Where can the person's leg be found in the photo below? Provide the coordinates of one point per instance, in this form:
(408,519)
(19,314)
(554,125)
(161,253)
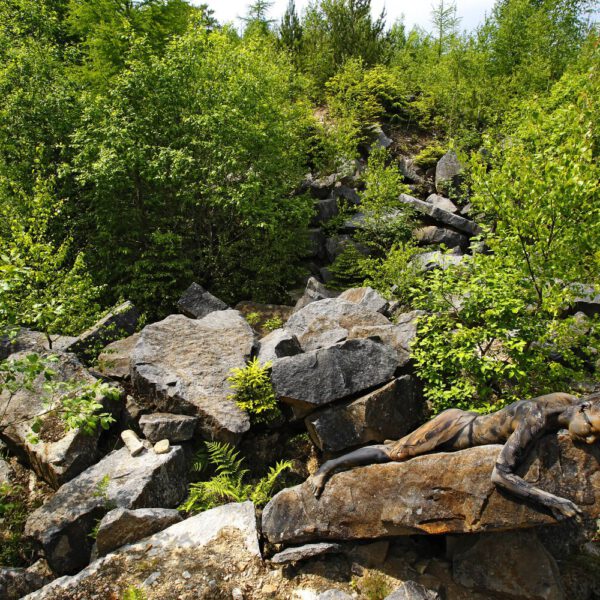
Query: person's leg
(363,456)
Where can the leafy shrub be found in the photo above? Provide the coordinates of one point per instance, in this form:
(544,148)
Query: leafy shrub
(134,593)
(394,275)
(347,269)
(429,156)
(254,391)
(253,318)
(228,484)
(484,345)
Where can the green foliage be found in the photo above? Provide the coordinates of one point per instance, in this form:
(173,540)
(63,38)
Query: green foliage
(394,275)
(347,269)
(254,391)
(387,221)
(335,31)
(77,404)
(372,586)
(15,551)
(253,318)
(484,344)
(228,484)
(429,156)
(134,593)
(273,323)
(191,193)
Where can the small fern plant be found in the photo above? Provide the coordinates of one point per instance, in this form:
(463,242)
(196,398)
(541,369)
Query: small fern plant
(134,593)
(254,391)
(229,482)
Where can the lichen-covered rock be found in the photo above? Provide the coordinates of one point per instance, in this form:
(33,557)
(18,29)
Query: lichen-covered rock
(119,323)
(367,297)
(196,302)
(123,526)
(441,216)
(327,322)
(63,525)
(277,344)
(442,202)
(513,563)
(115,360)
(427,261)
(325,210)
(181,365)
(59,454)
(438,493)
(387,413)
(172,550)
(166,426)
(314,379)
(432,235)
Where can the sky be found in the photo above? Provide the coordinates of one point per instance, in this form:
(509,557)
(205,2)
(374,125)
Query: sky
(416,12)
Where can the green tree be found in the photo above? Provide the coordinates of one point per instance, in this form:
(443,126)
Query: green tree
(256,20)
(445,23)
(290,30)
(205,192)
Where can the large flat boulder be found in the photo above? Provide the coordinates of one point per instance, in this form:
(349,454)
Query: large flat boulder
(327,322)
(63,525)
(59,454)
(314,379)
(434,494)
(217,540)
(314,291)
(278,344)
(181,365)
(448,173)
(387,413)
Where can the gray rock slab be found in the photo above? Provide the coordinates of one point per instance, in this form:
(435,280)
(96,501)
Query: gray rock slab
(314,379)
(277,344)
(411,590)
(63,524)
(432,235)
(441,493)
(123,526)
(442,202)
(327,322)
(514,564)
(448,173)
(60,454)
(314,291)
(306,552)
(165,547)
(196,302)
(441,215)
(367,297)
(316,244)
(115,360)
(389,412)
(167,426)
(181,365)
(409,170)
(119,323)
(6,473)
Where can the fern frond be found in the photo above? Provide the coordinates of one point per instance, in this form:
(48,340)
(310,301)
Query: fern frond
(226,459)
(264,488)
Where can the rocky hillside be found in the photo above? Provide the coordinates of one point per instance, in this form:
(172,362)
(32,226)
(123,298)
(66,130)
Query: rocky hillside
(102,517)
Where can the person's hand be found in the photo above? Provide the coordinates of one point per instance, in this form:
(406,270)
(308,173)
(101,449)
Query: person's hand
(564,509)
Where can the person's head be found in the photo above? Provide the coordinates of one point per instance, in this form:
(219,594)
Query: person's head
(584,420)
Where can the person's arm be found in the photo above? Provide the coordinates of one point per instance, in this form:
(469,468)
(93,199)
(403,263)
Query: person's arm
(511,456)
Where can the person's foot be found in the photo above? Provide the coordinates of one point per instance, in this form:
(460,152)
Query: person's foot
(317,483)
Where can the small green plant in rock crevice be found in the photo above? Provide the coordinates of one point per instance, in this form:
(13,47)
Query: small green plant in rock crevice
(134,593)
(273,323)
(14,551)
(254,391)
(229,482)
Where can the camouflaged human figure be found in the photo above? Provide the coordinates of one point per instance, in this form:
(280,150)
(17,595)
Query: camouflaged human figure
(517,426)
